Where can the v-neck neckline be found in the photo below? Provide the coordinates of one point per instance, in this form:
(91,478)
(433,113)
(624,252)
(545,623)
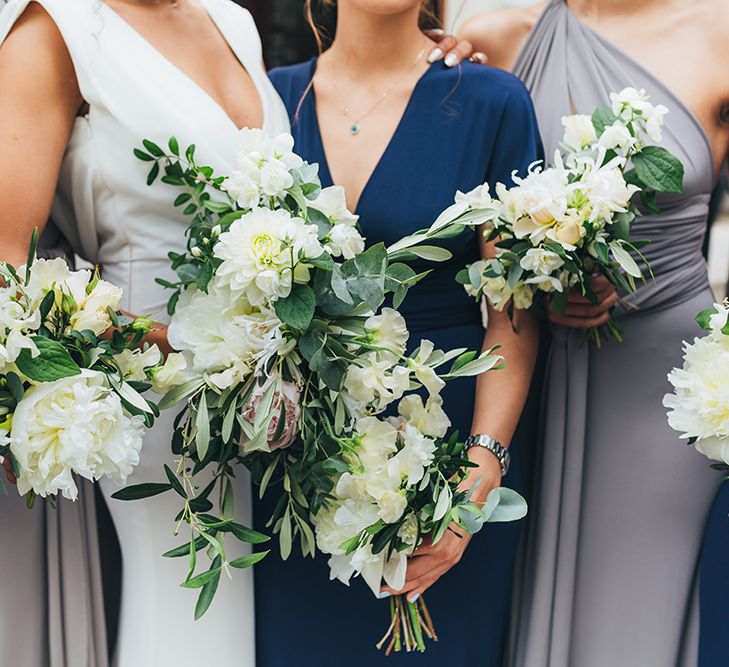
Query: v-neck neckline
(324,163)
(191,81)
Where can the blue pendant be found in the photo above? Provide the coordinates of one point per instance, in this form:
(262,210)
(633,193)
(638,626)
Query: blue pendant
(354,129)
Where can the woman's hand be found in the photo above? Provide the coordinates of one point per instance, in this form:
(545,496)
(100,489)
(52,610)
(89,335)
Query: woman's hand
(452,50)
(581,314)
(430,562)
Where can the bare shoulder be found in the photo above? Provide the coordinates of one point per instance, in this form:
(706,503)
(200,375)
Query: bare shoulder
(35,55)
(501,33)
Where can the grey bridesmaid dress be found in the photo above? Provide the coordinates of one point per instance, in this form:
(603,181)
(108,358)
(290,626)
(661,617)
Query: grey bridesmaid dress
(619,508)
(51,602)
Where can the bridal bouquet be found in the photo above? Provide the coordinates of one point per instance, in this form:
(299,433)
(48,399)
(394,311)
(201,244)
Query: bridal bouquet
(288,359)
(699,406)
(560,225)
(70,397)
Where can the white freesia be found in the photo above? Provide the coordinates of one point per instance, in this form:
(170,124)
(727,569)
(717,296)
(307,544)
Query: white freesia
(699,406)
(74,425)
(579,131)
(261,254)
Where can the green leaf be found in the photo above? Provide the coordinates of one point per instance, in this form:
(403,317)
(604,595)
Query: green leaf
(174,482)
(620,227)
(153,148)
(53,362)
(208,591)
(202,423)
(431,253)
(250,559)
(141,155)
(153,173)
(659,170)
(31,253)
(184,549)
(174,146)
(601,118)
(703,319)
(627,263)
(175,395)
(297,309)
(245,534)
(139,491)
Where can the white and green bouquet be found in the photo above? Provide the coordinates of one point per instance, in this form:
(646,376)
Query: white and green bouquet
(699,404)
(71,399)
(292,360)
(560,225)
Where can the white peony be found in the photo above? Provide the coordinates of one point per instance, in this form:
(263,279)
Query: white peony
(261,254)
(579,131)
(699,406)
(73,425)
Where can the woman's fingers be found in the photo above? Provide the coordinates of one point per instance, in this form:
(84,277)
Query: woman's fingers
(7,466)
(460,52)
(444,44)
(480,58)
(589,310)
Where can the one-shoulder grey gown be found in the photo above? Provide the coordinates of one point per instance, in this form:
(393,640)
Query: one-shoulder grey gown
(620,505)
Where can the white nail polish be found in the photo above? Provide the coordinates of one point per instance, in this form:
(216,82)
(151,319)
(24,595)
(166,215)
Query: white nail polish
(414,598)
(435,54)
(451,59)
(383,595)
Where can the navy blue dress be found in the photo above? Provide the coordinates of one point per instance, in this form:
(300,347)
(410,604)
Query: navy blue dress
(460,128)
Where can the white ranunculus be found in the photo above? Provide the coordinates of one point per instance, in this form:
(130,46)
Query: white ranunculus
(73,425)
(616,137)
(541,261)
(257,250)
(429,418)
(133,363)
(332,202)
(345,241)
(579,131)
(92,313)
(699,406)
(388,330)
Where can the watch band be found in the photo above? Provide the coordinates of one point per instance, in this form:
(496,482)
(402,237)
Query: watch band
(494,446)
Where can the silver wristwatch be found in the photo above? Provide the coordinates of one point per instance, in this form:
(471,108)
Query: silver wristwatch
(494,446)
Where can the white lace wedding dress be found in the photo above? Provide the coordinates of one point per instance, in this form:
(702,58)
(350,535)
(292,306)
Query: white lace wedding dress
(112,218)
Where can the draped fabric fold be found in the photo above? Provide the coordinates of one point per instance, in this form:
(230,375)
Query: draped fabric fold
(618,511)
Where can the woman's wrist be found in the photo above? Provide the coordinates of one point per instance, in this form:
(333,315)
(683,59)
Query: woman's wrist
(487,473)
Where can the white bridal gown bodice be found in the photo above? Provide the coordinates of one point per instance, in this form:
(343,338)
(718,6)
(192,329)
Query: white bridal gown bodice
(112,218)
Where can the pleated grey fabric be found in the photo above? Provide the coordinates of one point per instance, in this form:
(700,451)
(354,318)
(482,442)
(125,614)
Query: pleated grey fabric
(618,512)
(51,605)
(51,602)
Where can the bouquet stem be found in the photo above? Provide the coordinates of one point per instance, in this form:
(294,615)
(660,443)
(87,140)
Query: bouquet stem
(409,622)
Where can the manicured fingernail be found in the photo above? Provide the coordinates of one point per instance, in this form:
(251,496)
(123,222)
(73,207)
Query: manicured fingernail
(383,595)
(435,54)
(451,59)
(414,598)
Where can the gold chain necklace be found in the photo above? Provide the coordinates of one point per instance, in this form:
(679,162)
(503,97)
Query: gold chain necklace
(356,121)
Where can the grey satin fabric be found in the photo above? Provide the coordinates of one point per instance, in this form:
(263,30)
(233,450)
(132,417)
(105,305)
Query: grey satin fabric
(51,602)
(617,516)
